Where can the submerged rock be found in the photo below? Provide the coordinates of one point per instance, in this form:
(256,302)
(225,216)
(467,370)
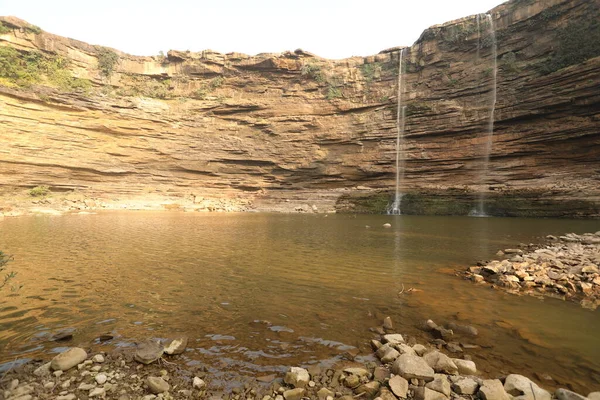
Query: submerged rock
(149,351)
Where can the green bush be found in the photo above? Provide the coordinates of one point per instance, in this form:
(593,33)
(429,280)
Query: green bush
(4,29)
(333,92)
(39,191)
(509,63)
(577,42)
(313,71)
(206,88)
(107,60)
(25,69)
(36,30)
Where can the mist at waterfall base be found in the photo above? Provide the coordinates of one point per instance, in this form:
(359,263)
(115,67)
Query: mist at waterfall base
(487,135)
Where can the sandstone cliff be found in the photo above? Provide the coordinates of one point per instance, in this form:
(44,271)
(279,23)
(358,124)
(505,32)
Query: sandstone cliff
(288,131)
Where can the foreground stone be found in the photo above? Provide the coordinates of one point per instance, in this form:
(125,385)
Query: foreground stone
(176,346)
(68,359)
(297,377)
(492,389)
(522,388)
(157,385)
(412,366)
(149,351)
(399,386)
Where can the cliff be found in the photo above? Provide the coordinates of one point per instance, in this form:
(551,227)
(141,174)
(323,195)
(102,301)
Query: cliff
(295,132)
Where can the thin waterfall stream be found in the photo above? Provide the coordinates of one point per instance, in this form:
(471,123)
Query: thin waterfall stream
(489,133)
(400,120)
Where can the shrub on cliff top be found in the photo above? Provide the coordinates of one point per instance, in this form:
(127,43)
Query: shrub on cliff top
(107,60)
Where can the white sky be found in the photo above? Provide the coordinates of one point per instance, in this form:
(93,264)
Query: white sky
(328,28)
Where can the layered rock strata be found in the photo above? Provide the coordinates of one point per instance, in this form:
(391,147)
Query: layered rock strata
(288,131)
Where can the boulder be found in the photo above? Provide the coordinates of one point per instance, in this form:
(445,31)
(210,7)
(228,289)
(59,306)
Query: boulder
(464,385)
(564,394)
(404,349)
(385,394)
(324,393)
(440,362)
(399,386)
(157,385)
(368,390)
(381,374)
(294,394)
(68,359)
(387,353)
(492,389)
(522,388)
(176,346)
(594,395)
(411,366)
(43,370)
(149,351)
(360,372)
(387,323)
(424,393)
(440,384)
(393,338)
(297,377)
(465,367)
(419,349)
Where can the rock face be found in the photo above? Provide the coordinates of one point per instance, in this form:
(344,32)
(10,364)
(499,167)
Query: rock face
(207,131)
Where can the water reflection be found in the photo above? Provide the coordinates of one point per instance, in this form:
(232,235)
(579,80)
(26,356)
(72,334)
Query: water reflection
(262,291)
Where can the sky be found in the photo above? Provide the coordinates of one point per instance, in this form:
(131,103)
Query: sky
(329,28)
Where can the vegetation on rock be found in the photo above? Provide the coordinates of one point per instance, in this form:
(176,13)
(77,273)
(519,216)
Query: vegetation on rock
(26,69)
(577,42)
(4,29)
(107,60)
(39,191)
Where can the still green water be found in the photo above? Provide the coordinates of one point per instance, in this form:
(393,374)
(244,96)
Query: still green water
(320,281)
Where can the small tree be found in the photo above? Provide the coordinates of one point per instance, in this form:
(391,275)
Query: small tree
(5,259)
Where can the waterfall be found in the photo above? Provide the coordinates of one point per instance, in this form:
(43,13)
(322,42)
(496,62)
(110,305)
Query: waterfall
(400,116)
(478,36)
(480,210)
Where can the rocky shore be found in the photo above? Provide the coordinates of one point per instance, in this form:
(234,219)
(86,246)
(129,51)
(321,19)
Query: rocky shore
(403,369)
(567,268)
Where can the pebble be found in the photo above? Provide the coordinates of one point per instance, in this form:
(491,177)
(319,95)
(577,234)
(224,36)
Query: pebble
(101,379)
(97,392)
(98,358)
(198,383)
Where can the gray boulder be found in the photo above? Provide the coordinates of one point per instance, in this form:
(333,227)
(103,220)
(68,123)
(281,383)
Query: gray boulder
(297,377)
(522,388)
(399,386)
(440,384)
(465,386)
(564,394)
(492,389)
(440,362)
(149,351)
(424,393)
(157,385)
(410,366)
(465,367)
